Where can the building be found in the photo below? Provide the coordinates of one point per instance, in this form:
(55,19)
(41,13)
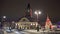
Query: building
(27,21)
(24,23)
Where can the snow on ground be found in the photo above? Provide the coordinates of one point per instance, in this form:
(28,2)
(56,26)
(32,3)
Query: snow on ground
(16,32)
(35,31)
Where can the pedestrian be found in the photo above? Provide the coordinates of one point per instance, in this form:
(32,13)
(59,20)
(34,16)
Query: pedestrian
(37,28)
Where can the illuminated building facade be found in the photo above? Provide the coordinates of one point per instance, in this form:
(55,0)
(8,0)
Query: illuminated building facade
(27,21)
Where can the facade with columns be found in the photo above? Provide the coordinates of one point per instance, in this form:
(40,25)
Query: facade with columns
(24,23)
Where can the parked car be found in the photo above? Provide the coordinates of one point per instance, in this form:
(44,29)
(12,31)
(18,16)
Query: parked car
(9,30)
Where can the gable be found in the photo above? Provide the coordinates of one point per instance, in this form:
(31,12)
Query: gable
(24,19)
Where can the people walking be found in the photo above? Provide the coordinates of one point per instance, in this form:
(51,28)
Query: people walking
(37,28)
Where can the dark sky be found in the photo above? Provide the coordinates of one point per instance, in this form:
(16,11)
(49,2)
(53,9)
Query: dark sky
(15,8)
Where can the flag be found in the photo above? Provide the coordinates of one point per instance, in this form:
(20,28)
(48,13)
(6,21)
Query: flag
(48,24)
(30,12)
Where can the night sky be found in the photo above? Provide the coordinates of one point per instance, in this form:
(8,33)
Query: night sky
(16,8)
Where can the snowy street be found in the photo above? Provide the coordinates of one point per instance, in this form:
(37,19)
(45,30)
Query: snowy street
(32,32)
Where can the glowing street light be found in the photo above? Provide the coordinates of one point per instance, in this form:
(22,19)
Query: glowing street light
(4,16)
(37,12)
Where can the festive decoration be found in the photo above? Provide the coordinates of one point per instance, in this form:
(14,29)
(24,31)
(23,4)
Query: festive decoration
(48,24)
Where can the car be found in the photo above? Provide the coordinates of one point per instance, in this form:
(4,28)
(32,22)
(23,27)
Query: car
(9,30)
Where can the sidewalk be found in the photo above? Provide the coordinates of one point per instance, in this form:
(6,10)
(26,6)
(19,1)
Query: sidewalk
(32,31)
(8,33)
(35,31)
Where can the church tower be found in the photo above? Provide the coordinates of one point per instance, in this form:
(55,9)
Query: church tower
(28,12)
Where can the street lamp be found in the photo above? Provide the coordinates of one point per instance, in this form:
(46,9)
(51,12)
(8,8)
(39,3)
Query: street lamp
(2,21)
(37,12)
(4,16)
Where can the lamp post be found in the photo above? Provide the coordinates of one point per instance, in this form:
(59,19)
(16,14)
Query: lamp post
(4,17)
(37,12)
(2,23)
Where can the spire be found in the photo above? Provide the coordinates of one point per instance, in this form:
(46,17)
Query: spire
(28,6)
(28,11)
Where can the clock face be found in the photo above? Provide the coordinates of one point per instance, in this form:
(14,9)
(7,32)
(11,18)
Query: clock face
(28,10)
